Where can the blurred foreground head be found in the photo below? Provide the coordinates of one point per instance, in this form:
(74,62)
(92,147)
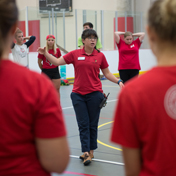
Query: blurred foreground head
(8,22)
(161,27)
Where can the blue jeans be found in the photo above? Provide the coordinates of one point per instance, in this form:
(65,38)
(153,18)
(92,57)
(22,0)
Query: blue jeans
(87,114)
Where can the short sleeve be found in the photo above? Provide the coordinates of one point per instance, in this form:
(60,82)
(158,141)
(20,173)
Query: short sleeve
(124,130)
(104,63)
(49,122)
(80,43)
(120,43)
(40,56)
(58,53)
(69,58)
(98,45)
(138,42)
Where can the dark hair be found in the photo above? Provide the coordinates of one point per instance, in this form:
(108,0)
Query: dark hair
(8,17)
(88,24)
(162,18)
(88,33)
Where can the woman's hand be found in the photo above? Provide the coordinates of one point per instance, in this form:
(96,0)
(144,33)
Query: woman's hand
(121,85)
(41,50)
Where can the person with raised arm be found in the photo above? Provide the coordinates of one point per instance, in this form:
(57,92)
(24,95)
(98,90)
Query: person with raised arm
(87,93)
(129,65)
(19,49)
(46,67)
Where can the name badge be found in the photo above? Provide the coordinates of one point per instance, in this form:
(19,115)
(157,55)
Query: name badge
(81,58)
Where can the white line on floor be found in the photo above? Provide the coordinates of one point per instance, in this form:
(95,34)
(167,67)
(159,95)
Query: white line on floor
(68,107)
(103,161)
(107,102)
(112,100)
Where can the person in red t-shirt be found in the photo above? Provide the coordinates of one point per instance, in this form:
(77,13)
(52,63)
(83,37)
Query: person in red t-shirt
(49,69)
(128,54)
(33,135)
(87,91)
(145,117)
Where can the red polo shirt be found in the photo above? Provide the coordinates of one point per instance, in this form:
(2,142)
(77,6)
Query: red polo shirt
(129,55)
(87,68)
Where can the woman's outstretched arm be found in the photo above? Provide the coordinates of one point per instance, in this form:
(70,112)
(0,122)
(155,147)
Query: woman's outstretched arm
(52,59)
(111,77)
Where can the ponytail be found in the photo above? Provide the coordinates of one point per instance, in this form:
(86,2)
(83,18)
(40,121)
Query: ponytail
(162,18)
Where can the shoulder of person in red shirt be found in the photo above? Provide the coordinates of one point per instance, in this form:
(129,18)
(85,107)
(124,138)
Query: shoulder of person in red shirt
(58,52)
(69,57)
(141,95)
(122,42)
(35,89)
(138,42)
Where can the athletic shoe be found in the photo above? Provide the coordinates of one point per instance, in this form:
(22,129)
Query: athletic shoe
(91,155)
(87,160)
(82,156)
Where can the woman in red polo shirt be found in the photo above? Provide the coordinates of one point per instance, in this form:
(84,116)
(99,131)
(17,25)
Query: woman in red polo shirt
(128,54)
(32,137)
(49,69)
(87,91)
(145,118)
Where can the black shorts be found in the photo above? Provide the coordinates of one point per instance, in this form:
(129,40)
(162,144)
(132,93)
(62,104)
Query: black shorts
(127,74)
(52,73)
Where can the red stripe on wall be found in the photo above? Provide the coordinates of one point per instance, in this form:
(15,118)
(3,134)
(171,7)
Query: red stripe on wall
(121,25)
(34,29)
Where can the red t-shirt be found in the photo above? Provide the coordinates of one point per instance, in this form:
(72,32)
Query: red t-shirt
(129,55)
(145,118)
(46,63)
(29,109)
(87,68)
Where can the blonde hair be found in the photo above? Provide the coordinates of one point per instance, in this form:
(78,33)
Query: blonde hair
(127,34)
(54,46)
(18,31)
(162,18)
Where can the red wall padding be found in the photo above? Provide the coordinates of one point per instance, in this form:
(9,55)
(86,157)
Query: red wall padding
(34,29)
(121,25)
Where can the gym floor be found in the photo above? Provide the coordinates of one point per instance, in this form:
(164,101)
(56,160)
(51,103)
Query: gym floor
(108,157)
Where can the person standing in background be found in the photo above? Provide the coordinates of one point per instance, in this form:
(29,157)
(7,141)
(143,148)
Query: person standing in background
(47,68)
(19,49)
(88,25)
(98,46)
(129,65)
(145,117)
(33,134)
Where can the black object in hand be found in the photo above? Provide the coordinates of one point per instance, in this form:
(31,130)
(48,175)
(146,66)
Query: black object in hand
(103,103)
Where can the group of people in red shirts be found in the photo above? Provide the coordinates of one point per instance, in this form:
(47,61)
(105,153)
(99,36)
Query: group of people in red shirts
(33,134)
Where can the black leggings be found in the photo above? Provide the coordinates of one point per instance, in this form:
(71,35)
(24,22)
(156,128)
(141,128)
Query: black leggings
(127,74)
